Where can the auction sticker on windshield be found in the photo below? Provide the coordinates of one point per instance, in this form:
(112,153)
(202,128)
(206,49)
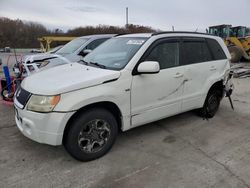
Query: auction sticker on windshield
(136,42)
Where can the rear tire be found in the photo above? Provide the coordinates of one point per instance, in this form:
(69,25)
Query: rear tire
(211,104)
(236,53)
(91,135)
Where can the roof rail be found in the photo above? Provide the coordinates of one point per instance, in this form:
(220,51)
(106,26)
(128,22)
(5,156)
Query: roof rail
(121,34)
(185,32)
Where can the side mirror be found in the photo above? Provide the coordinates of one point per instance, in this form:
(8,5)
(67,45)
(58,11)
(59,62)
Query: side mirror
(85,52)
(148,67)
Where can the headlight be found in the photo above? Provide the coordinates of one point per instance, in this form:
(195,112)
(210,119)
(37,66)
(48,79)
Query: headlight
(40,103)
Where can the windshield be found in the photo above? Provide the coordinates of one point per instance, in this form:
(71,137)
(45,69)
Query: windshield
(115,53)
(72,46)
(54,50)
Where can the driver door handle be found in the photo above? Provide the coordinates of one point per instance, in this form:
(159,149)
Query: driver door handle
(178,75)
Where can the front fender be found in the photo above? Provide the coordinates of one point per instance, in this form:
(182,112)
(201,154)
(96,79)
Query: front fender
(115,92)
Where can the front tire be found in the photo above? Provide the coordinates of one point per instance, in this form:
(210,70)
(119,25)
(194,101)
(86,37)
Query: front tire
(91,135)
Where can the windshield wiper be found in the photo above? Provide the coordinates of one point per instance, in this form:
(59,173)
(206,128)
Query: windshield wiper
(84,62)
(98,65)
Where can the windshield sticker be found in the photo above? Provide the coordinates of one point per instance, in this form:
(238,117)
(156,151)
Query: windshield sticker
(136,42)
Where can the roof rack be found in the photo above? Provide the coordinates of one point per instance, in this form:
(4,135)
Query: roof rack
(185,32)
(121,34)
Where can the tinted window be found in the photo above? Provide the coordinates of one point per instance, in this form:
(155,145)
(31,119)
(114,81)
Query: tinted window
(194,51)
(95,43)
(166,53)
(216,49)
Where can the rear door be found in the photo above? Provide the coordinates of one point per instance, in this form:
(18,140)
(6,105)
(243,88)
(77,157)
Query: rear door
(201,69)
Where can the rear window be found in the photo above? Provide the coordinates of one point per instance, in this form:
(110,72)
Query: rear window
(194,51)
(216,49)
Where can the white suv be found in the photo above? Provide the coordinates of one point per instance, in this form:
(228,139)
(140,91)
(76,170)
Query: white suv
(128,81)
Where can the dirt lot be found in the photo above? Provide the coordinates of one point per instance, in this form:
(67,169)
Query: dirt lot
(181,151)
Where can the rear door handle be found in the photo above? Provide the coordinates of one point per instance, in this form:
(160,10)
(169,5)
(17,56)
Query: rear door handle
(212,68)
(178,75)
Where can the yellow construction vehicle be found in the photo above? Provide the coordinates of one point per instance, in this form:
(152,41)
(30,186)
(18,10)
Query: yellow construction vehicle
(237,40)
(47,40)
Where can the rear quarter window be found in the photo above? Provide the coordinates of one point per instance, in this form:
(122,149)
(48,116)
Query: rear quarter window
(216,49)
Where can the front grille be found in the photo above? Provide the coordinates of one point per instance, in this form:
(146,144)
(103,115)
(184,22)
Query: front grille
(22,96)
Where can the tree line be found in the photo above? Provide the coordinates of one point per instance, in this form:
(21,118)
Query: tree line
(20,34)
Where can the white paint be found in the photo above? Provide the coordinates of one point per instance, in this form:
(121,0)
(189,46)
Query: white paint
(66,78)
(149,67)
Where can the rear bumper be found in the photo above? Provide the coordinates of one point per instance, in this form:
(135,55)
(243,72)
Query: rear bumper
(228,85)
(46,128)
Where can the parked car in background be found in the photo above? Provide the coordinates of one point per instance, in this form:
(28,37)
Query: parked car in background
(128,81)
(36,51)
(54,50)
(73,51)
(5,50)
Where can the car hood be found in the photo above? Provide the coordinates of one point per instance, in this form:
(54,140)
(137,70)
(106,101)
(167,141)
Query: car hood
(66,78)
(47,56)
(37,57)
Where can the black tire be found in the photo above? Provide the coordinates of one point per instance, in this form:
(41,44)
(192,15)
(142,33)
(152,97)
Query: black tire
(211,105)
(5,93)
(236,53)
(91,135)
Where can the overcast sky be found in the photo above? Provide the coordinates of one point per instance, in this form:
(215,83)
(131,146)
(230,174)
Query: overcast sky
(159,14)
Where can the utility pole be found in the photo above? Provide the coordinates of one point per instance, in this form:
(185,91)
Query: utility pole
(126,17)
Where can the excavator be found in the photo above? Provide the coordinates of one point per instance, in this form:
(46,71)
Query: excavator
(237,40)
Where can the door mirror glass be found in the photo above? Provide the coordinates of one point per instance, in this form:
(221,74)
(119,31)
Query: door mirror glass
(85,52)
(148,67)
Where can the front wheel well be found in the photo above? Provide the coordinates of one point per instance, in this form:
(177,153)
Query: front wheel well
(110,106)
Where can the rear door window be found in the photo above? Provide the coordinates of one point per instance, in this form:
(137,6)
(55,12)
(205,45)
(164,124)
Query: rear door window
(194,50)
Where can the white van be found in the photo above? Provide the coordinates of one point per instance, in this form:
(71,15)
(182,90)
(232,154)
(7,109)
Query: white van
(128,81)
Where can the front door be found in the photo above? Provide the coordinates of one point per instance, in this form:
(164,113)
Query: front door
(155,96)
